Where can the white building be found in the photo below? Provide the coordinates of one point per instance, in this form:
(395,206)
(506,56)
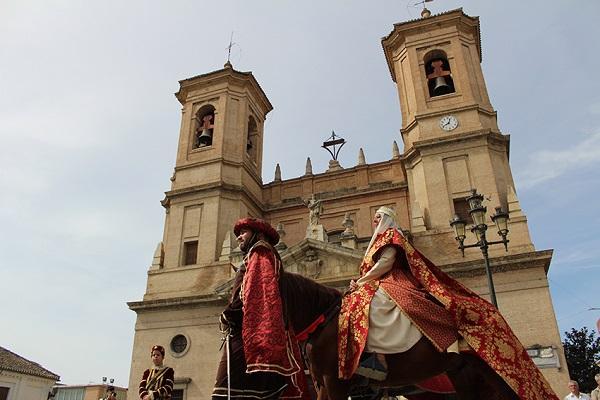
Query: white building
(21,379)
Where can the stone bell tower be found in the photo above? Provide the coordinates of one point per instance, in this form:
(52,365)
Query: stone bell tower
(217,179)
(452,144)
(217,176)
(451,138)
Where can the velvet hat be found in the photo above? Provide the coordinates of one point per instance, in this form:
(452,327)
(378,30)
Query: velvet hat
(257,225)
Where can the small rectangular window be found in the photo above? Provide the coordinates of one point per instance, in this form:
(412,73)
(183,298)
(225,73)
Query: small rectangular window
(461,208)
(190,252)
(177,394)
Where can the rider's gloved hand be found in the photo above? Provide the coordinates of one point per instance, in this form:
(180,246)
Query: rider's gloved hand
(225,324)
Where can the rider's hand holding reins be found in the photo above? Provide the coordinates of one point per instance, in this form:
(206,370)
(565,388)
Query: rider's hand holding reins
(352,287)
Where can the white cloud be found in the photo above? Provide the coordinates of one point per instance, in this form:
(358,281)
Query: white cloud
(579,254)
(545,165)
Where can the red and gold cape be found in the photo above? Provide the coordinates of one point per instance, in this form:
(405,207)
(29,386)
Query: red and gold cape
(268,345)
(471,317)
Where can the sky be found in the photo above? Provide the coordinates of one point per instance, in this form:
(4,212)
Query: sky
(89,128)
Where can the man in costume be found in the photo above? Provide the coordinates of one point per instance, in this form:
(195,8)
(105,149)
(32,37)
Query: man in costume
(402,296)
(157,381)
(261,353)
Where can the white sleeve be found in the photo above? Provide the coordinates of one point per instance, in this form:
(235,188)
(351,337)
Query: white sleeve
(381,267)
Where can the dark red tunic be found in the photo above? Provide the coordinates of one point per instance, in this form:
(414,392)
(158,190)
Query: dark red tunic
(265,360)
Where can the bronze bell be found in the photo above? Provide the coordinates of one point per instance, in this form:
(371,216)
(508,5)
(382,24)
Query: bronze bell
(205,138)
(441,87)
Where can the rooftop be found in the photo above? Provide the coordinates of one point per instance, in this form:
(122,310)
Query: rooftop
(10,361)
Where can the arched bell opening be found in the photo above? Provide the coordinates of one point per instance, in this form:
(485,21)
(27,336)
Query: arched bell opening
(204,126)
(251,135)
(438,73)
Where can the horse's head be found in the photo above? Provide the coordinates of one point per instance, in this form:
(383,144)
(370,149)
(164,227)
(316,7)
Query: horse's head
(305,300)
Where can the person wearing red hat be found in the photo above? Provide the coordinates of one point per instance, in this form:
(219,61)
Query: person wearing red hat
(157,381)
(261,358)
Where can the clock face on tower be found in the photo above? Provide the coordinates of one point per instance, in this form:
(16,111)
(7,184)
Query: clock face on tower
(448,123)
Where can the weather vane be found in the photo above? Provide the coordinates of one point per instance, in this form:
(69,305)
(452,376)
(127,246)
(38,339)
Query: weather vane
(425,12)
(422,2)
(231,45)
(333,141)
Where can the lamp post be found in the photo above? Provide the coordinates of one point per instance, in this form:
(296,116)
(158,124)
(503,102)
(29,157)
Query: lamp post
(477,212)
(105,379)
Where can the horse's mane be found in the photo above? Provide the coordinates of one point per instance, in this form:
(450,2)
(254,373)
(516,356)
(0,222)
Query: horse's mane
(308,286)
(305,299)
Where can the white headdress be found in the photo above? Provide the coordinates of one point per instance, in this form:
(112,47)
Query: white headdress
(387,221)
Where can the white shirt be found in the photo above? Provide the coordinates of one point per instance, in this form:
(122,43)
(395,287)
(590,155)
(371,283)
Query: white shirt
(582,396)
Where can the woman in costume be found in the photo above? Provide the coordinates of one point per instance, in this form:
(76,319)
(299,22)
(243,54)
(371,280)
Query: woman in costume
(389,328)
(402,296)
(157,381)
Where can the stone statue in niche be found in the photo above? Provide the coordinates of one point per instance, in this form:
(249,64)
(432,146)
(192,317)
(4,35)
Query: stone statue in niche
(311,266)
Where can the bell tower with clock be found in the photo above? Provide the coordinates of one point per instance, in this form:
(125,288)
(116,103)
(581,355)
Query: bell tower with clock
(452,143)
(435,62)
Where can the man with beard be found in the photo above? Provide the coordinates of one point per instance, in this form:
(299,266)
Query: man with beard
(261,359)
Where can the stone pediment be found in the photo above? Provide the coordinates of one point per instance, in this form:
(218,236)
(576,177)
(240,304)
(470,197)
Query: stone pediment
(327,263)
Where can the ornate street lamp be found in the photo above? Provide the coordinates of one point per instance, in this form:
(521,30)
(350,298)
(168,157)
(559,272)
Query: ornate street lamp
(477,212)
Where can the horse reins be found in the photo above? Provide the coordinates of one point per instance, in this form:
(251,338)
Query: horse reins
(316,327)
(309,334)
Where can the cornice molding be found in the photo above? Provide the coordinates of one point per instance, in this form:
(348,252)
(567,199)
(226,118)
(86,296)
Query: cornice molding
(400,30)
(228,75)
(173,303)
(221,160)
(338,195)
(487,135)
(215,186)
(349,170)
(438,113)
(511,262)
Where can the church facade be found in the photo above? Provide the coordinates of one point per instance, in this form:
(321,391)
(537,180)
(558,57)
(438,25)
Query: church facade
(452,145)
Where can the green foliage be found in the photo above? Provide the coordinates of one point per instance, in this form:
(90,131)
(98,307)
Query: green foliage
(582,349)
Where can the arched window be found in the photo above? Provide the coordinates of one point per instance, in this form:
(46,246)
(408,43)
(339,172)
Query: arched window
(251,137)
(204,127)
(438,73)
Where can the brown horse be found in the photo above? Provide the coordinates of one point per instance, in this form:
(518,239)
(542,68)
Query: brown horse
(305,301)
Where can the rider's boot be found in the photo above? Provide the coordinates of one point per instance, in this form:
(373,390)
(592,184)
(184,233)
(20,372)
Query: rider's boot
(373,366)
